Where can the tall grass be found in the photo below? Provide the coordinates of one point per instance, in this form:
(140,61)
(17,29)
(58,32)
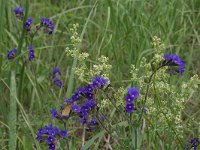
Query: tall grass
(119,29)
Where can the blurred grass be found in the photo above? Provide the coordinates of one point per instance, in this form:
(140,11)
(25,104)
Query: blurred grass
(119,29)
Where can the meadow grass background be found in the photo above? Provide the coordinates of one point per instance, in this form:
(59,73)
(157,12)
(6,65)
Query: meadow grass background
(119,29)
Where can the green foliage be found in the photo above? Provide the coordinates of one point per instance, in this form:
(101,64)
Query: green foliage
(115,41)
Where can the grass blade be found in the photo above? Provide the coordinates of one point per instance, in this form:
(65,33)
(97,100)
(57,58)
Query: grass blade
(13,113)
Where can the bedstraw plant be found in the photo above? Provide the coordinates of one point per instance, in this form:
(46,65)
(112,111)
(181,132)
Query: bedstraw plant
(86,103)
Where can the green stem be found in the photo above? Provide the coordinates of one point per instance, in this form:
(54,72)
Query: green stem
(147,92)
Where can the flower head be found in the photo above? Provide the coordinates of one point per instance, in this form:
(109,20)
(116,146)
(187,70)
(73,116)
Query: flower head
(31,53)
(47,24)
(174,60)
(131,95)
(56,72)
(58,82)
(19,13)
(99,81)
(54,113)
(11,54)
(130,108)
(49,135)
(29,21)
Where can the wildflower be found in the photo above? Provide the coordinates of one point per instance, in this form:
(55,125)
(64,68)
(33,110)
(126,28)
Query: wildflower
(131,95)
(54,113)
(75,108)
(29,21)
(11,54)
(19,13)
(58,82)
(130,108)
(56,72)
(50,135)
(47,24)
(193,143)
(174,60)
(31,53)
(99,81)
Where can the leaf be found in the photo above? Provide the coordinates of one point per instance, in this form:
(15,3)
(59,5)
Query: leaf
(12,113)
(91,141)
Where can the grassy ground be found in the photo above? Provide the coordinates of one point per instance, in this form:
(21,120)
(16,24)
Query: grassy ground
(122,30)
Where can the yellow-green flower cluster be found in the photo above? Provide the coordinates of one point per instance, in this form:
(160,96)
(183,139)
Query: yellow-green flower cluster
(165,101)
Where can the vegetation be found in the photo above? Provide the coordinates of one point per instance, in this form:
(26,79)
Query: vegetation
(138,60)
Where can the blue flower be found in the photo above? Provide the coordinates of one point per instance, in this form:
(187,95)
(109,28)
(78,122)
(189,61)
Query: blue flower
(133,93)
(174,60)
(31,53)
(29,21)
(130,108)
(56,72)
(47,24)
(11,54)
(50,139)
(19,13)
(75,108)
(89,88)
(89,96)
(52,146)
(58,82)
(128,99)
(63,133)
(49,135)
(54,113)
(99,81)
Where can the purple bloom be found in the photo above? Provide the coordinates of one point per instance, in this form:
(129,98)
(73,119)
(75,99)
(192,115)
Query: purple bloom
(68,100)
(75,108)
(128,99)
(133,93)
(50,139)
(89,88)
(63,133)
(79,91)
(31,53)
(47,24)
(11,54)
(174,60)
(92,122)
(58,82)
(54,113)
(89,95)
(29,21)
(49,135)
(52,146)
(19,13)
(99,81)
(130,108)
(56,72)
(75,96)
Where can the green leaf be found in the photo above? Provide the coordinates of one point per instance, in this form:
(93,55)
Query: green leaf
(13,113)
(91,141)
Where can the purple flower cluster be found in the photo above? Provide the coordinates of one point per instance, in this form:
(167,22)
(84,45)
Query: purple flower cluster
(19,13)
(174,60)
(193,143)
(31,53)
(11,54)
(129,99)
(50,135)
(47,24)
(88,99)
(55,74)
(29,21)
